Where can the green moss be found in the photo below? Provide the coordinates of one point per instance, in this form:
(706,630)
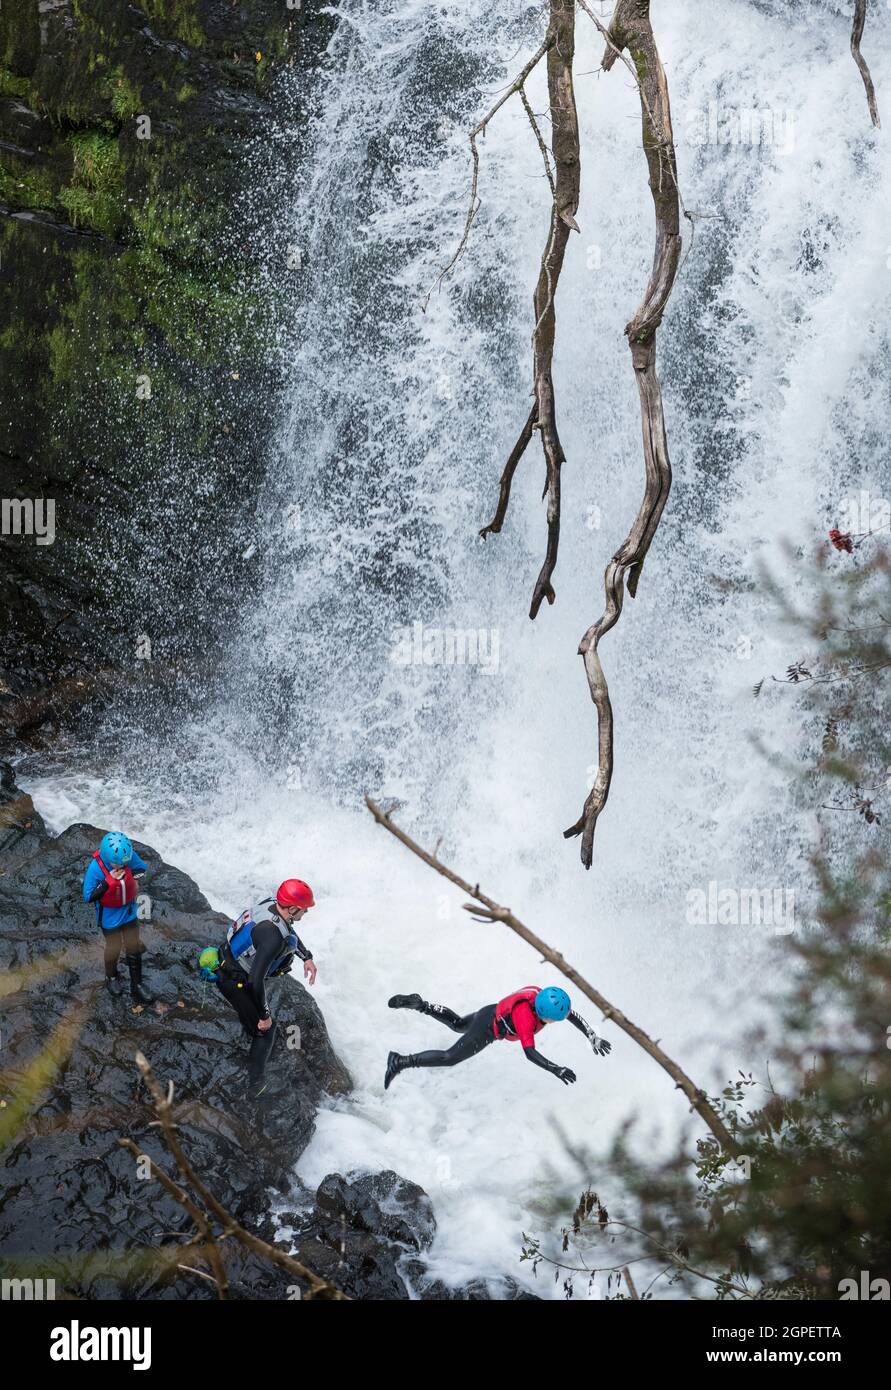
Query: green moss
(176,17)
(27,186)
(123,95)
(186,91)
(12,85)
(94,197)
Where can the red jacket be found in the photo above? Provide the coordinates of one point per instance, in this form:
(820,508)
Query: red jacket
(120,891)
(516,1019)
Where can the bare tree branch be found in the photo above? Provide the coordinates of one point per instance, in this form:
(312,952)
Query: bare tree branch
(560,44)
(856,36)
(485,909)
(631,29)
(319,1288)
(480,130)
(210,1251)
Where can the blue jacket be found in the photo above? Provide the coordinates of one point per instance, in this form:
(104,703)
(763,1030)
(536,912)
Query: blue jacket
(109,918)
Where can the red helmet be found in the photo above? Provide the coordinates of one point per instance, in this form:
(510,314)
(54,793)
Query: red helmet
(295,893)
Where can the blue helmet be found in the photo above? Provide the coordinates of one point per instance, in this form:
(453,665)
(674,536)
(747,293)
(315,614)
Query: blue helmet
(551,1004)
(115,848)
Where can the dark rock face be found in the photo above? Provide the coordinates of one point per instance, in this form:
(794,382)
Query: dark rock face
(70,1194)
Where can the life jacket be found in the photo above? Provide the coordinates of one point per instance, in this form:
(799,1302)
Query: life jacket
(240,939)
(504,1013)
(120,891)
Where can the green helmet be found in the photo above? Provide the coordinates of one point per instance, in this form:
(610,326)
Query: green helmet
(209,962)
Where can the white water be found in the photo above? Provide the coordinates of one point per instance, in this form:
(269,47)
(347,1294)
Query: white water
(396,430)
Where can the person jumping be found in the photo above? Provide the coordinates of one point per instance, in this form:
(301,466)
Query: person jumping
(515,1019)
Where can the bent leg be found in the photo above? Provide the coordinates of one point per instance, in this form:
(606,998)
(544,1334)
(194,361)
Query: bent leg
(234,992)
(440,1011)
(111,945)
(450,1018)
(477,1032)
(259,1052)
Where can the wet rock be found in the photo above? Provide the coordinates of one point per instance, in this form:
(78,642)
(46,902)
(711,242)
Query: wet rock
(382,1204)
(70,1088)
(503,1289)
(22,830)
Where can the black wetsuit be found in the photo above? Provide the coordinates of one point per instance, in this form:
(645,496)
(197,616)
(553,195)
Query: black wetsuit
(478,1030)
(247,992)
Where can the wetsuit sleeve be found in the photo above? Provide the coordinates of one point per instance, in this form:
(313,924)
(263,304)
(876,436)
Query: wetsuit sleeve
(600,1045)
(302,951)
(267,947)
(523,1020)
(541,1061)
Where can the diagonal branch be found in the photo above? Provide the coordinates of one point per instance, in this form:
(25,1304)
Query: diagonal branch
(319,1288)
(560,45)
(485,909)
(631,29)
(856,36)
(210,1250)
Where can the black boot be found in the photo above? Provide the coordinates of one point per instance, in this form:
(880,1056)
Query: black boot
(137,988)
(397,1062)
(113,982)
(258,1056)
(438,1011)
(409,1001)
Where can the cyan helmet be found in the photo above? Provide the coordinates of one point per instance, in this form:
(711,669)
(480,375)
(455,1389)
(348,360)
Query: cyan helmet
(552,1004)
(115,848)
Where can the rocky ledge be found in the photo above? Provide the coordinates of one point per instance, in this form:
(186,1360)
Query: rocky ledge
(72,1206)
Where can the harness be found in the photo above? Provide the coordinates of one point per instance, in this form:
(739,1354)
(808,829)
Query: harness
(240,941)
(505,1009)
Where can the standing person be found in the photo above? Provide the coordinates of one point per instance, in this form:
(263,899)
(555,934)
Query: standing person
(111,883)
(261,944)
(517,1018)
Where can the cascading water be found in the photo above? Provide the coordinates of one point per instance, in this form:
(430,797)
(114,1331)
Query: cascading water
(774,362)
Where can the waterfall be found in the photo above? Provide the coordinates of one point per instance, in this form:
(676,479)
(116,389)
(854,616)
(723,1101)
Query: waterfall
(389,649)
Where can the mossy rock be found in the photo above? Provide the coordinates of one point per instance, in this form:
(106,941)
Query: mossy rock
(137,390)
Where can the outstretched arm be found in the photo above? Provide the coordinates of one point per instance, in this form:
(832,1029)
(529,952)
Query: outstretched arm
(600,1045)
(562,1073)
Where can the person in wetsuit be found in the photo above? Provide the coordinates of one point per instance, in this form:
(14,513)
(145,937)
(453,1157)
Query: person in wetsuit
(517,1018)
(261,945)
(112,883)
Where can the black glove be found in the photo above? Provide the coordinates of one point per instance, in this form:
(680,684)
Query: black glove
(601,1046)
(98,891)
(565,1075)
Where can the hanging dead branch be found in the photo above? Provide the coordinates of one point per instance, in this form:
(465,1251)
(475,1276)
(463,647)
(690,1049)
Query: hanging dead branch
(565,183)
(856,37)
(485,909)
(631,29)
(208,1246)
(479,131)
